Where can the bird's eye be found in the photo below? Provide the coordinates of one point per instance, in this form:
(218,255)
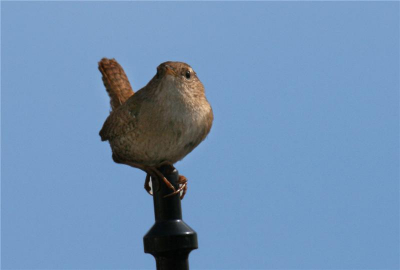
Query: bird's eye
(158,73)
(188,74)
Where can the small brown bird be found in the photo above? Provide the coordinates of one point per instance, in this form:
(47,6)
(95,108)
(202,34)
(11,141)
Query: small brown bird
(159,124)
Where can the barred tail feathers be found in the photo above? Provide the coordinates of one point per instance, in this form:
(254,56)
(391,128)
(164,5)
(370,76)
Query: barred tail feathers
(116,82)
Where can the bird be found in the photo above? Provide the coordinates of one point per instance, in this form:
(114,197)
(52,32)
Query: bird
(159,124)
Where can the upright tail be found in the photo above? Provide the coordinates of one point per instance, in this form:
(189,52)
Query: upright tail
(116,82)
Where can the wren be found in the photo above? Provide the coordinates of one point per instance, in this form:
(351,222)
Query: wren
(159,124)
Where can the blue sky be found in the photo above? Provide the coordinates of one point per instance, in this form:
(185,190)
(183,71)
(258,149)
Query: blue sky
(300,170)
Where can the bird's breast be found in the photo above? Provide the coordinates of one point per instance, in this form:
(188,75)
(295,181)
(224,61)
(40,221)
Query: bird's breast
(167,129)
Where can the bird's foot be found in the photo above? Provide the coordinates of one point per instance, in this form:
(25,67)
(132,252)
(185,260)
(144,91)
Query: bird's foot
(155,174)
(182,181)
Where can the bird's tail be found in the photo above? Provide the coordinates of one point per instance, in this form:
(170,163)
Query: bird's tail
(116,82)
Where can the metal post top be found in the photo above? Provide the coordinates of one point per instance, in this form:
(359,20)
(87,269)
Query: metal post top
(170,237)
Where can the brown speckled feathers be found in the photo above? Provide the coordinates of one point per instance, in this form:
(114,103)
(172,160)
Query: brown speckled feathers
(120,120)
(116,82)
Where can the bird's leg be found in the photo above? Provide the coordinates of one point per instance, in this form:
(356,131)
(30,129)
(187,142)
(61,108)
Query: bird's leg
(147,184)
(152,172)
(162,177)
(182,181)
(168,168)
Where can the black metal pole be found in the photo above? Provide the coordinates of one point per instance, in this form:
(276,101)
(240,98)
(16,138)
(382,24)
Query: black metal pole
(170,240)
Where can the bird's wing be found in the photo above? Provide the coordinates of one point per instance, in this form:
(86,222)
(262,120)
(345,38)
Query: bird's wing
(122,120)
(116,82)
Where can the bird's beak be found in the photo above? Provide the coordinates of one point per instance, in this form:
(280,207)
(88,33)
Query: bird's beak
(170,71)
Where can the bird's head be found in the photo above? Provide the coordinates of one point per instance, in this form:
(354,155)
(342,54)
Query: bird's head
(178,76)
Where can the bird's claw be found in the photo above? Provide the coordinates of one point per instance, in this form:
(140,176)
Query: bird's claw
(182,181)
(155,174)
